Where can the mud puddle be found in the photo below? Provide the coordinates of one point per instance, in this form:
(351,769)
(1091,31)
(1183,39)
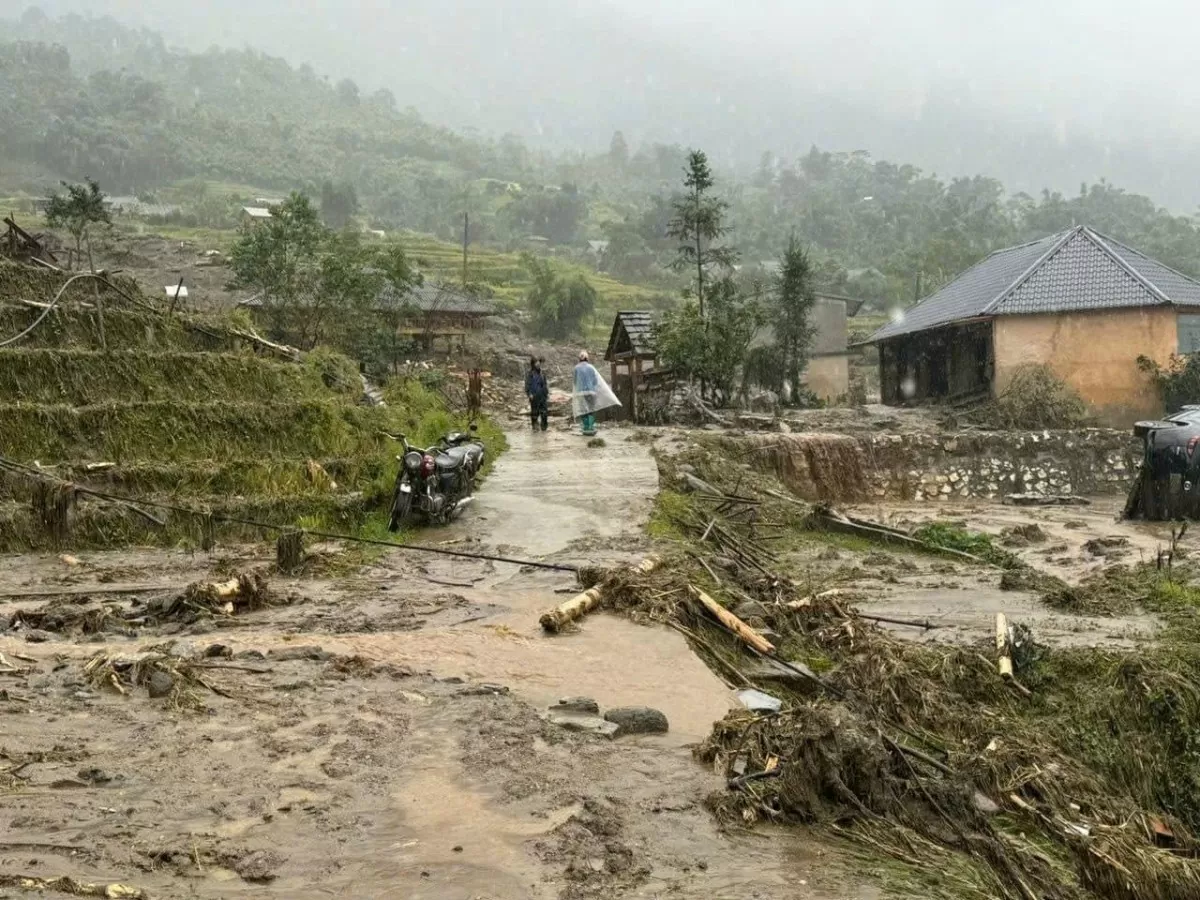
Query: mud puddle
(1071,542)
(967,613)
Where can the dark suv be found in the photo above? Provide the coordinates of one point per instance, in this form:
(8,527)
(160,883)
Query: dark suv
(1168,484)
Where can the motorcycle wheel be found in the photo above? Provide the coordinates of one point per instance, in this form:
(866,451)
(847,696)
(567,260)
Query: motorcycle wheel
(401,509)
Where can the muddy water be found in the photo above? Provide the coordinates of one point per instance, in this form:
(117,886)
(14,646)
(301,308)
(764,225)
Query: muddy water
(551,492)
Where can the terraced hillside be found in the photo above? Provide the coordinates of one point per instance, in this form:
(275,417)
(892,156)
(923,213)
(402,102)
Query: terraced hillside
(181,411)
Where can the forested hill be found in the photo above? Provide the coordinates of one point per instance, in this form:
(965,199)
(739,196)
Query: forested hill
(86,97)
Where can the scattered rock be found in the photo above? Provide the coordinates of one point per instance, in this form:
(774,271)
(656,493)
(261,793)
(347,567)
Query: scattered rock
(482,690)
(1107,546)
(250,654)
(1024,535)
(757,701)
(304,652)
(160,684)
(637,720)
(259,866)
(582,724)
(97,776)
(985,804)
(585,705)
(218,651)
(750,609)
(37,636)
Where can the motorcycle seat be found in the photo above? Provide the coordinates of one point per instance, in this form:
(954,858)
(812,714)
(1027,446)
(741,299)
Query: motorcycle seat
(451,459)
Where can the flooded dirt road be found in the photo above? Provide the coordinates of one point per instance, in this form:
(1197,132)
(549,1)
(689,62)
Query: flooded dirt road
(381,736)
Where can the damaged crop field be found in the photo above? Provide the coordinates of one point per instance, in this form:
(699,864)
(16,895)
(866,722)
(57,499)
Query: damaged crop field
(1001,766)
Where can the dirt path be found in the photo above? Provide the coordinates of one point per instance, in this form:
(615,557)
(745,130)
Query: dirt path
(383,738)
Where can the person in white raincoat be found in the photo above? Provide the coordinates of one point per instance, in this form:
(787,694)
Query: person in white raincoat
(592,394)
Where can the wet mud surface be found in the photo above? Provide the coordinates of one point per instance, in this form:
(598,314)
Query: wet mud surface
(378,734)
(1071,542)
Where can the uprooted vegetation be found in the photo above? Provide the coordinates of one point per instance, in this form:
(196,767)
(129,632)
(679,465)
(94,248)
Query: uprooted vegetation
(199,418)
(1076,777)
(84,615)
(1034,398)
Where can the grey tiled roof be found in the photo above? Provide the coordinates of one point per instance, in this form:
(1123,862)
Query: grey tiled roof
(436,298)
(1076,270)
(638,326)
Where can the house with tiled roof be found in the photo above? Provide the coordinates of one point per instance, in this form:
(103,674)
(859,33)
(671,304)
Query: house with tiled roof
(1080,302)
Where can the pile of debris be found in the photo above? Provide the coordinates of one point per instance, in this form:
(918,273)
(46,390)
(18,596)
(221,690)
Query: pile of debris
(1005,770)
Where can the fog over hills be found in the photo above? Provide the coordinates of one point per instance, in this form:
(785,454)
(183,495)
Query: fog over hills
(1037,95)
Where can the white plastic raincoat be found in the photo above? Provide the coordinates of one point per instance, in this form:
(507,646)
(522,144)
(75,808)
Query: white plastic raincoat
(592,392)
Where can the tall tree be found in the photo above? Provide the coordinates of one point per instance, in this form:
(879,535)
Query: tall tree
(791,313)
(81,207)
(558,304)
(280,258)
(698,224)
(339,203)
(618,150)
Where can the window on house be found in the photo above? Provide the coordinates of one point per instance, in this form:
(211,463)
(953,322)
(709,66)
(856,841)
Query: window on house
(1189,334)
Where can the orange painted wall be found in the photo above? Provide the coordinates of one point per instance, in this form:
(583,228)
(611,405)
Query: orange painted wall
(1095,352)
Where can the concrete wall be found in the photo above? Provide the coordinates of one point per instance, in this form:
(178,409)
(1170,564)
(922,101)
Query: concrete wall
(828,376)
(1095,352)
(829,318)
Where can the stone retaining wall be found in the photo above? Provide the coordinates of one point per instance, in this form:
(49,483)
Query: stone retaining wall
(996,464)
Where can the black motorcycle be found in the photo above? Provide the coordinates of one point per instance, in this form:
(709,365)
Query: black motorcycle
(437,483)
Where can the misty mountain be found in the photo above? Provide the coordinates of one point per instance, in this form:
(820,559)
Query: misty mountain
(927,87)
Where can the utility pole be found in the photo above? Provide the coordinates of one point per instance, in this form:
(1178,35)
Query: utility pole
(466,240)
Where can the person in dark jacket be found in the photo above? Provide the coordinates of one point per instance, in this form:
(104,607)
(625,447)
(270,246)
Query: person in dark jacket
(538,391)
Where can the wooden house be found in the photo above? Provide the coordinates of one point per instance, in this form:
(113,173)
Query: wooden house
(635,376)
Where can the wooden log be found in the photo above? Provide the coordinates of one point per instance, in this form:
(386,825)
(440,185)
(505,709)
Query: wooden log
(580,605)
(1003,649)
(745,633)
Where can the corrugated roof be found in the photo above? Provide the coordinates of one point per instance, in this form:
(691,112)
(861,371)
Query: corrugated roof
(637,329)
(1076,270)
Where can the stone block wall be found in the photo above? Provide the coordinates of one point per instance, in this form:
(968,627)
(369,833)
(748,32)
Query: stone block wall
(959,465)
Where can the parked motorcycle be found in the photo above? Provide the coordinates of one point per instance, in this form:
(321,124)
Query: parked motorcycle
(435,484)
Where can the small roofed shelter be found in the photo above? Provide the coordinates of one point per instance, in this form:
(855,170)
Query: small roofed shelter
(431,312)
(254,215)
(1079,302)
(632,357)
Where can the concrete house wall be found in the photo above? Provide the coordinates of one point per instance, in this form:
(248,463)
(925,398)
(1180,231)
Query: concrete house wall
(1094,352)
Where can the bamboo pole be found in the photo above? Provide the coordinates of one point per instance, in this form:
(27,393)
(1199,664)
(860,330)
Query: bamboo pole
(1003,650)
(747,634)
(580,605)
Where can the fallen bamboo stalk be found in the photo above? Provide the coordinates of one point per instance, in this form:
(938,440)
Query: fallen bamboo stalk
(76,590)
(836,521)
(1003,648)
(748,635)
(580,605)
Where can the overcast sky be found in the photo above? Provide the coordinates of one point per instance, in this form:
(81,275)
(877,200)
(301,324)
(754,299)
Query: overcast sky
(742,77)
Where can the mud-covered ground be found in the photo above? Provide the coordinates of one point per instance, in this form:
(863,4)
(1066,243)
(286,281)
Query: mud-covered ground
(377,731)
